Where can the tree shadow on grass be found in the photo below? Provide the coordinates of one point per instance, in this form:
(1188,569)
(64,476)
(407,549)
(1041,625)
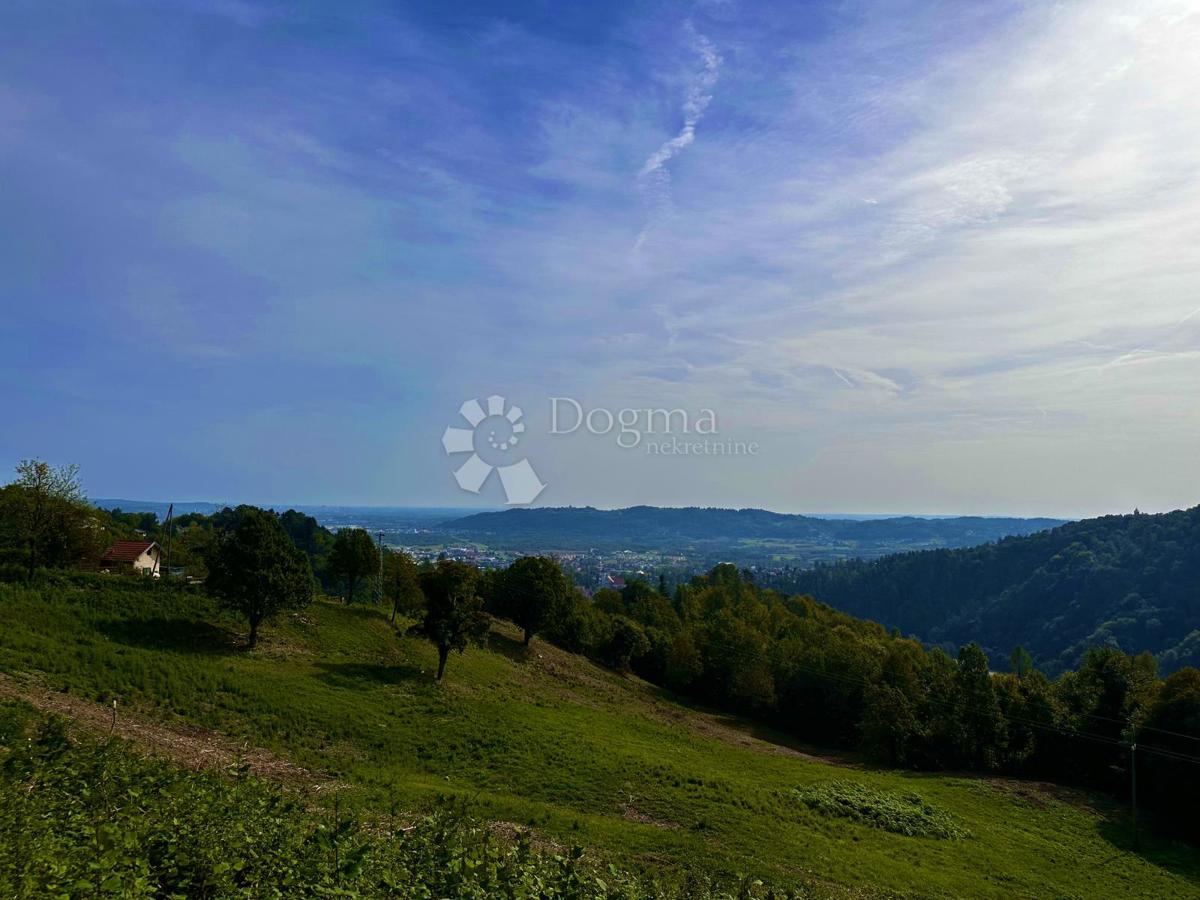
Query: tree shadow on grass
(1159,849)
(735,724)
(176,635)
(353,675)
(507,646)
(363,611)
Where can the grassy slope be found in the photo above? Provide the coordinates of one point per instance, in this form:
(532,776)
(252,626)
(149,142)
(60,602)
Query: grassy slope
(547,739)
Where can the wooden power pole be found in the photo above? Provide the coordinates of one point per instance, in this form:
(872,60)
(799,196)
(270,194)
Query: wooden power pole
(170,532)
(379,583)
(1133,791)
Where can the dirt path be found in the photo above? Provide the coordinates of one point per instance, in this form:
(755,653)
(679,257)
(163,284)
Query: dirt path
(195,748)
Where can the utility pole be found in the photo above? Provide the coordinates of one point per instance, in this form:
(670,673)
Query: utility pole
(1133,777)
(170,532)
(379,583)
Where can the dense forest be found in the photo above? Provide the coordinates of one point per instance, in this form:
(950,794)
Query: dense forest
(1130,582)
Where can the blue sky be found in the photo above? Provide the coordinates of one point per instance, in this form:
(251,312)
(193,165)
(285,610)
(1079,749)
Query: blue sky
(930,257)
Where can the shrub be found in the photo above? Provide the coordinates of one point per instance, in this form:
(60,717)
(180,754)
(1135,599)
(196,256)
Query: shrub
(907,814)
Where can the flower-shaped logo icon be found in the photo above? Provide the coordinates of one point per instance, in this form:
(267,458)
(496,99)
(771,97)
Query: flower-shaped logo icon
(493,436)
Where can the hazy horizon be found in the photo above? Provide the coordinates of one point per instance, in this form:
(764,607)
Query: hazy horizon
(107,502)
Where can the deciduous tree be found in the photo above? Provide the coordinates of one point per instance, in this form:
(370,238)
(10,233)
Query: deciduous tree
(256,570)
(626,641)
(401,584)
(454,615)
(46,514)
(889,724)
(1020,662)
(981,726)
(533,593)
(684,662)
(354,556)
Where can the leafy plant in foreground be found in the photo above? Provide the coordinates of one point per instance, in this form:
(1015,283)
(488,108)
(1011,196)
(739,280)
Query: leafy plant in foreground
(90,819)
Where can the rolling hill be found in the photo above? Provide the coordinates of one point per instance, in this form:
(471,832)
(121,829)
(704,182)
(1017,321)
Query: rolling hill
(749,531)
(545,741)
(1126,581)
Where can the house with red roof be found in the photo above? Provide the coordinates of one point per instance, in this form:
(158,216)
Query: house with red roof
(138,556)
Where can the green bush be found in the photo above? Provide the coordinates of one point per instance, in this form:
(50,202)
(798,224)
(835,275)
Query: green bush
(907,814)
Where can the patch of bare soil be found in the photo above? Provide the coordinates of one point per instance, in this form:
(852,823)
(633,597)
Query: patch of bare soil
(195,748)
(509,832)
(1038,794)
(631,814)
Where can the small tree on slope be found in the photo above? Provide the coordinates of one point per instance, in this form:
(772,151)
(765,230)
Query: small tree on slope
(454,615)
(534,594)
(353,556)
(256,570)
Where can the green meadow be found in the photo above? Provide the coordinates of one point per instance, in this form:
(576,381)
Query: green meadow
(546,740)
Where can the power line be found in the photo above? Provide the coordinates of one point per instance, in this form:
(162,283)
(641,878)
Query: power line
(1009,717)
(1179,734)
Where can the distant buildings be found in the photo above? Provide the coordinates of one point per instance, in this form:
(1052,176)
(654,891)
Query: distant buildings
(139,556)
(616,582)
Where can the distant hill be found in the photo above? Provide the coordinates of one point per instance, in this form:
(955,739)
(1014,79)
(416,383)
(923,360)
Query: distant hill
(159,508)
(652,527)
(1128,581)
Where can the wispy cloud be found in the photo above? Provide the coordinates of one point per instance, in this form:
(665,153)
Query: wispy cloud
(654,177)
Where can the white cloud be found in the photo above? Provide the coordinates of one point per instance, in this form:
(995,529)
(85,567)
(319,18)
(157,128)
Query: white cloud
(654,176)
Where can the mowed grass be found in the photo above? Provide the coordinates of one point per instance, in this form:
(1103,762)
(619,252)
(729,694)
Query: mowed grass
(546,739)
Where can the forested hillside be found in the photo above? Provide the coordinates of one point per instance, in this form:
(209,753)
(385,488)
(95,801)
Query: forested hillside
(1131,582)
